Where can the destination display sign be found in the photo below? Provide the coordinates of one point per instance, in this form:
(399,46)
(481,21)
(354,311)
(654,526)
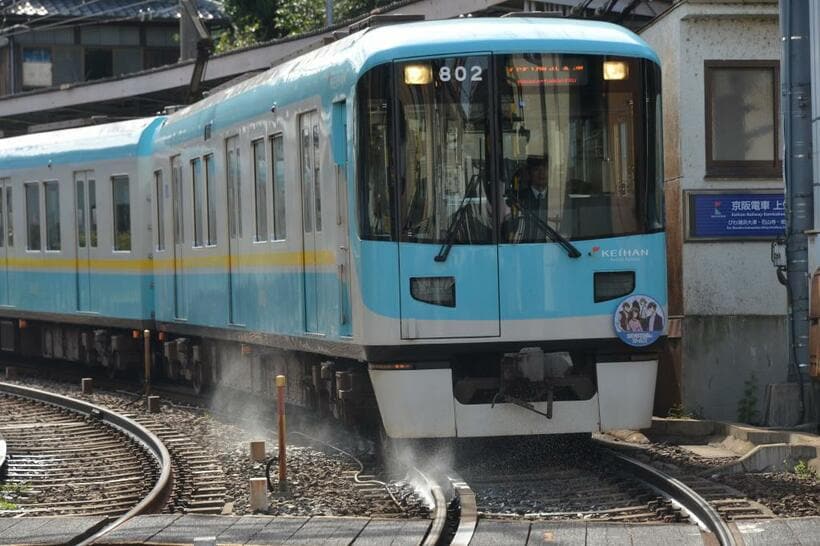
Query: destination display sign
(548,74)
(737,215)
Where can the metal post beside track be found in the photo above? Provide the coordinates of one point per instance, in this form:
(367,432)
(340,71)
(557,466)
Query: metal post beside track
(146,334)
(281,381)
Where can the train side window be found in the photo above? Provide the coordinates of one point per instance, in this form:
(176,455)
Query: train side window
(33,241)
(92,210)
(260,182)
(3,183)
(9,216)
(198,195)
(278,195)
(210,197)
(176,205)
(234,184)
(122,212)
(52,194)
(160,211)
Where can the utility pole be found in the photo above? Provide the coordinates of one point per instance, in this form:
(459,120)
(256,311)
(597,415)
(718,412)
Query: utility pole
(329,11)
(797,175)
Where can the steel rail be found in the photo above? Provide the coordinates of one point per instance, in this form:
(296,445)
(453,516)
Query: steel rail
(158,496)
(436,492)
(678,492)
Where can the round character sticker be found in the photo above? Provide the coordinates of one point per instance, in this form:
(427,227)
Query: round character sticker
(639,320)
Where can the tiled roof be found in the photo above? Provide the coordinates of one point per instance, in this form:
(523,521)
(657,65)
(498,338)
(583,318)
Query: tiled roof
(209,10)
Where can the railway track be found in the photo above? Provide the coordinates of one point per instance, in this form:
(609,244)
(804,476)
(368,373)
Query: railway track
(69,457)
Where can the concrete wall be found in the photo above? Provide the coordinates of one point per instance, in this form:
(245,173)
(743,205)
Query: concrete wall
(735,310)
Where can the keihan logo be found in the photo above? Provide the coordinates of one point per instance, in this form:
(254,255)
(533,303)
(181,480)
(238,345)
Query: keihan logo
(619,252)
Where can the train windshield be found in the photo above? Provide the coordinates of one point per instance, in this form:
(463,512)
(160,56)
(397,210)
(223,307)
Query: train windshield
(575,149)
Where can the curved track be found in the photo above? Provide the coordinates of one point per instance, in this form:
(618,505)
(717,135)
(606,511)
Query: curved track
(60,447)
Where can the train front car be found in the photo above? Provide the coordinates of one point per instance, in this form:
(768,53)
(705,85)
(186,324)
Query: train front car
(512,254)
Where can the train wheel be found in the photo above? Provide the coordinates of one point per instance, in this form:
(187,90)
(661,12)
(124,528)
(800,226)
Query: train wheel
(171,369)
(200,376)
(113,365)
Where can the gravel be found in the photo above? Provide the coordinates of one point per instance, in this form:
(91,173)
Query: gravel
(321,479)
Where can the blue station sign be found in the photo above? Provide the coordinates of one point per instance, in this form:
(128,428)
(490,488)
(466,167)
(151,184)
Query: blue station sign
(737,215)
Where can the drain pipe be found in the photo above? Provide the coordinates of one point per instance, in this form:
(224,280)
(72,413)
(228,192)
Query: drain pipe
(797,175)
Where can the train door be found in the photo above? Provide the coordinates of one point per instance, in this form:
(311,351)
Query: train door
(4,251)
(234,194)
(85,193)
(448,254)
(339,143)
(311,216)
(178,222)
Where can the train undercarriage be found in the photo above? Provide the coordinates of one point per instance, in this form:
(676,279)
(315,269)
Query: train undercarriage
(528,391)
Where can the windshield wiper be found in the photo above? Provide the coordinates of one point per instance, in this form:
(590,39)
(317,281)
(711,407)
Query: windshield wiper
(460,213)
(553,234)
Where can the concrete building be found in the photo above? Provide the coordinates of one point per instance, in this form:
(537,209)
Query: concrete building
(724,202)
(46,44)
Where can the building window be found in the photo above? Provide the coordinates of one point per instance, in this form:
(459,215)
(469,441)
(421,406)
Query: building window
(198,195)
(742,136)
(160,211)
(52,192)
(33,217)
(260,177)
(210,196)
(122,213)
(37,67)
(278,162)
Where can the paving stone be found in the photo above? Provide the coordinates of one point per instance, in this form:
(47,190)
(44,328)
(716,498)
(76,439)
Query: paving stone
(666,535)
(806,530)
(393,532)
(606,534)
(557,532)
(278,530)
(49,530)
(768,532)
(191,526)
(328,531)
(242,530)
(501,533)
(139,529)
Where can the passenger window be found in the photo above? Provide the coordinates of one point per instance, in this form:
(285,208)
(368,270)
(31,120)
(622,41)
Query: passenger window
(9,216)
(278,164)
(79,188)
(122,212)
(198,195)
(3,183)
(33,241)
(160,211)
(234,188)
(176,193)
(52,192)
(260,178)
(210,197)
(92,211)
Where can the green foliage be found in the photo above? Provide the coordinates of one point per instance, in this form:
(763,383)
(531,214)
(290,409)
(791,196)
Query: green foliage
(679,411)
(804,471)
(747,405)
(9,492)
(299,16)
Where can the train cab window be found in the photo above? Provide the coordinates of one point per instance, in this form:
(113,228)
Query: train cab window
(33,241)
(277,147)
(122,212)
(52,195)
(210,197)
(160,210)
(444,132)
(198,193)
(375,188)
(234,184)
(260,184)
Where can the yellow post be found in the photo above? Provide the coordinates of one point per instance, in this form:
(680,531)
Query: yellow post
(281,381)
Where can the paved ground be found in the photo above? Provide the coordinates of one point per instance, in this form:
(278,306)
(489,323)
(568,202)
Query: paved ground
(169,530)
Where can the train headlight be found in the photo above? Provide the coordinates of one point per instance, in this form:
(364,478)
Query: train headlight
(613,284)
(615,70)
(418,74)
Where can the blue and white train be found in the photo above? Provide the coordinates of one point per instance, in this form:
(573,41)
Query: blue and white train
(359,218)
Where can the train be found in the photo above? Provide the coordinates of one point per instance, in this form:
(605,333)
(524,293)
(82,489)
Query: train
(358,219)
